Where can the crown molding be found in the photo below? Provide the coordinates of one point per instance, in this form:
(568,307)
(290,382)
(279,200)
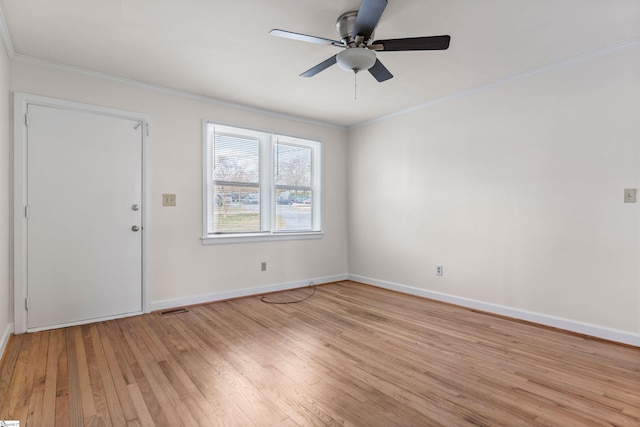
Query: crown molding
(629,44)
(13,55)
(17,57)
(4,35)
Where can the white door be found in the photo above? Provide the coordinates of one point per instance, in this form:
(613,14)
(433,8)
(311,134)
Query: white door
(84,197)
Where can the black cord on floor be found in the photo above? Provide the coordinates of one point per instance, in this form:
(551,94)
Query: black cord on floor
(311,284)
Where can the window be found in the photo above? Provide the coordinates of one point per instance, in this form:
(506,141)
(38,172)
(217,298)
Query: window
(259,186)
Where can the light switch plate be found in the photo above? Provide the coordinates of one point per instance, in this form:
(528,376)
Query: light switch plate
(168,200)
(629,195)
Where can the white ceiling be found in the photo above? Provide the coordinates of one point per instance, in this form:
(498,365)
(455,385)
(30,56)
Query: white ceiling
(221,48)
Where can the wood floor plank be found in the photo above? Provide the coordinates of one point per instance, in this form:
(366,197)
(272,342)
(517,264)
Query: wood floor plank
(182,372)
(253,403)
(134,375)
(201,365)
(119,408)
(195,404)
(62,388)
(351,355)
(108,408)
(158,385)
(56,347)
(139,403)
(36,404)
(20,387)
(112,365)
(7,368)
(258,361)
(75,397)
(93,386)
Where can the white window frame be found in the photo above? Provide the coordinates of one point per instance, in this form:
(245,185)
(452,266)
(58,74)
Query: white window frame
(267,189)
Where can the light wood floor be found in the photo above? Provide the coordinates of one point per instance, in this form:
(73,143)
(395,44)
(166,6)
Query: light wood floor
(350,355)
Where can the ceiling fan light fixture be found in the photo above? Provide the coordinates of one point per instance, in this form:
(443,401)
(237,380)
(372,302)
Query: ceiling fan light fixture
(356,59)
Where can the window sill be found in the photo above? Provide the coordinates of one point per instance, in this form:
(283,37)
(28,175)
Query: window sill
(259,237)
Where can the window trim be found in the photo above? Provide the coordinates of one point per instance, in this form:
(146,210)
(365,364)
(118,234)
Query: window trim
(267,179)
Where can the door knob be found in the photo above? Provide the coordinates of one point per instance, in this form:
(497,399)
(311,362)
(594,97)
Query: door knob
(135,207)
(135,228)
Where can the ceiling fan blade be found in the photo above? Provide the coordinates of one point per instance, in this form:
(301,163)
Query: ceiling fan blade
(415,43)
(304,37)
(320,67)
(367,19)
(380,72)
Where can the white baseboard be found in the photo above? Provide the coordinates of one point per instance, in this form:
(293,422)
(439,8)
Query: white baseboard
(4,339)
(219,296)
(542,319)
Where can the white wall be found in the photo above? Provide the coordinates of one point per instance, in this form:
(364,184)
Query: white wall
(182,270)
(516,190)
(6,302)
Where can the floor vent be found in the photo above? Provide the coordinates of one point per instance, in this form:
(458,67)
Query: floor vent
(173,311)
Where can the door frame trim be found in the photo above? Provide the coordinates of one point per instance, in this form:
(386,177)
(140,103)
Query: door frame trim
(20,103)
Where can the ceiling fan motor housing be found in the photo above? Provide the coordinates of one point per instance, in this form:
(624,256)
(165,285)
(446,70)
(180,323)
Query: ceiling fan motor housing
(345,24)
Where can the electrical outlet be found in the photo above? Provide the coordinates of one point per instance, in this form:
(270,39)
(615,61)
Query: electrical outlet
(168,200)
(439,270)
(629,195)
(263,266)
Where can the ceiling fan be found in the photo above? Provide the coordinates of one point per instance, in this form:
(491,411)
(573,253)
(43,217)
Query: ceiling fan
(356,38)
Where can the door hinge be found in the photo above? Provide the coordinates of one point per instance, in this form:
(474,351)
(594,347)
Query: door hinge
(144,125)
(26,303)
(26,211)
(26,120)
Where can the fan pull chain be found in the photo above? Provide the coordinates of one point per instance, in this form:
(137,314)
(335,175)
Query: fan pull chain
(355,85)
